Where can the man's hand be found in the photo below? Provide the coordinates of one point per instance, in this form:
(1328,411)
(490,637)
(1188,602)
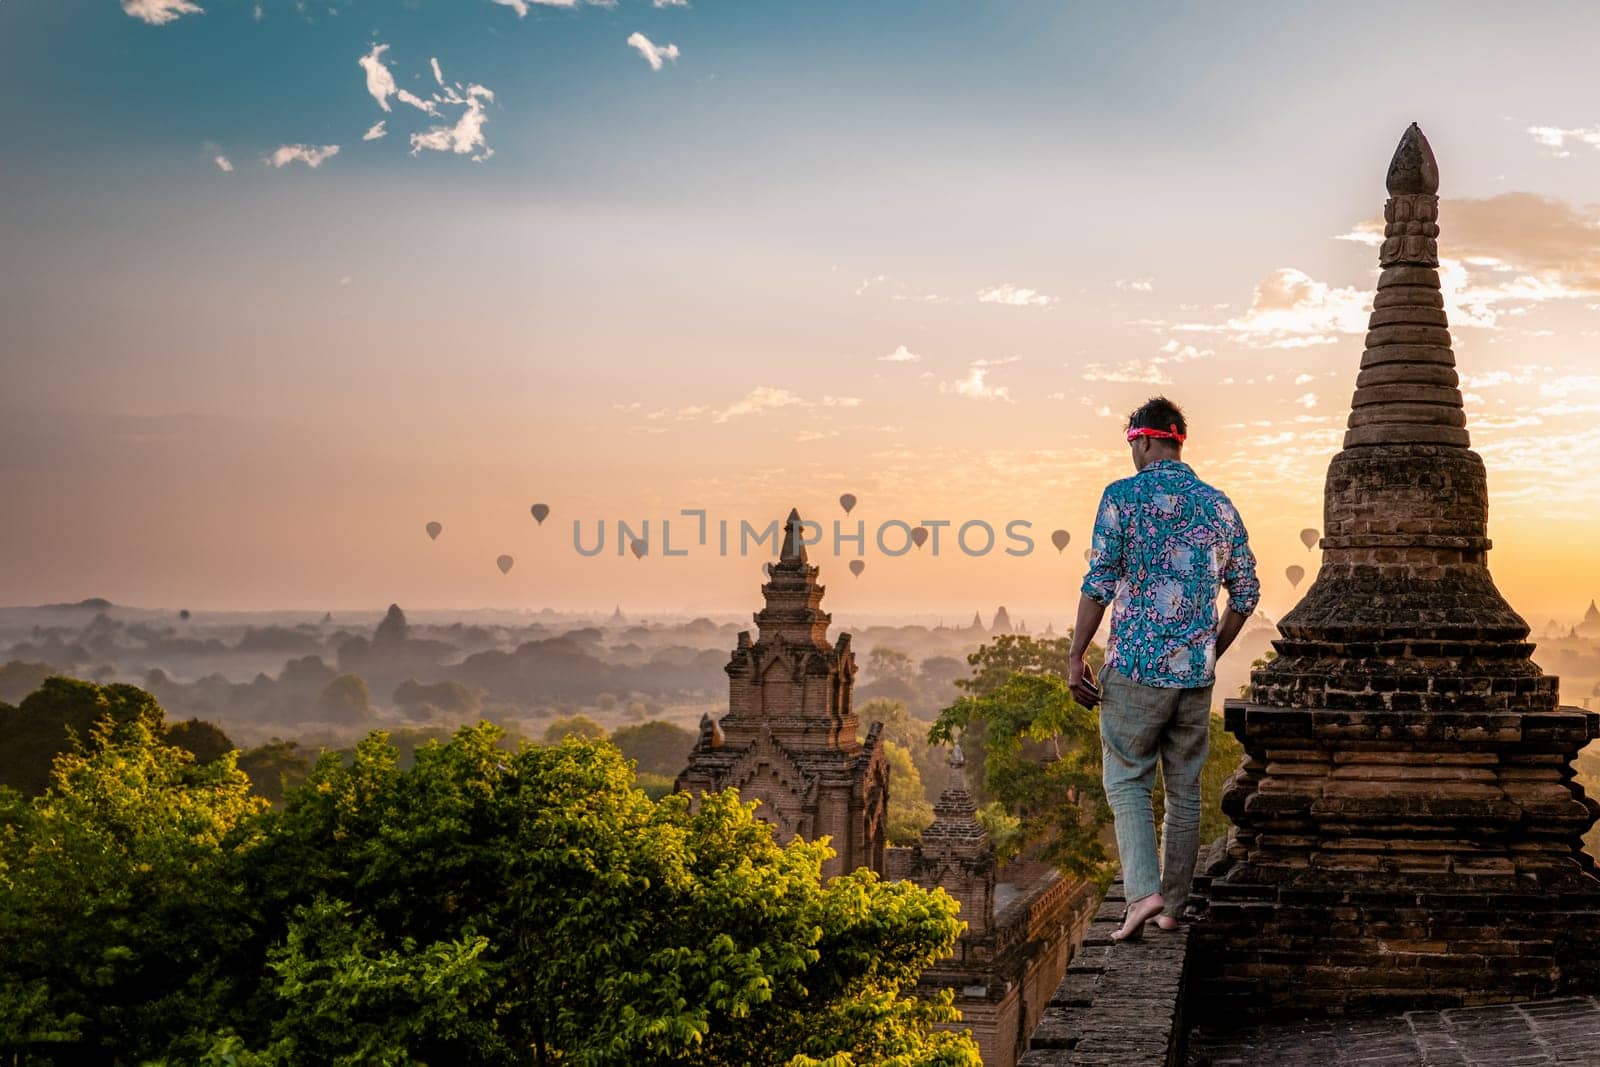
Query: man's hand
(1232,623)
(1084,691)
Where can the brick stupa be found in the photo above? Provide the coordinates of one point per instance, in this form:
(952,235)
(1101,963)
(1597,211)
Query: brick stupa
(1407,829)
(789,738)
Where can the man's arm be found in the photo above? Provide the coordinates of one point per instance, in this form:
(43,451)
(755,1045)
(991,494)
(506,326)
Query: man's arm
(1244,588)
(1099,587)
(1090,612)
(1232,623)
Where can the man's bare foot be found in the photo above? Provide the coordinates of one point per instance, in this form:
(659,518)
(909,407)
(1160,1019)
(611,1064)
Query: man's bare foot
(1167,922)
(1139,912)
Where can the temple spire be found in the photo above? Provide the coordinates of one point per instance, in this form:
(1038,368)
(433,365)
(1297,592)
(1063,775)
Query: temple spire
(794,545)
(1405,512)
(1407,390)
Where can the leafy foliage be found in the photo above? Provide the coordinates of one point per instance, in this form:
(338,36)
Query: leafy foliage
(909,811)
(484,907)
(114,891)
(1056,795)
(657,747)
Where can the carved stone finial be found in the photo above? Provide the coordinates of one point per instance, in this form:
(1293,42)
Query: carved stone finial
(794,547)
(1413,168)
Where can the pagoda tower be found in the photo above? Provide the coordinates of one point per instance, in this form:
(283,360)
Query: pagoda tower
(789,738)
(1407,829)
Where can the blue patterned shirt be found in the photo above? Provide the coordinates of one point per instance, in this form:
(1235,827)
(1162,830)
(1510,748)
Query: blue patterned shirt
(1164,544)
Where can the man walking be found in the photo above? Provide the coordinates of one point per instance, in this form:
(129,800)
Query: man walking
(1164,543)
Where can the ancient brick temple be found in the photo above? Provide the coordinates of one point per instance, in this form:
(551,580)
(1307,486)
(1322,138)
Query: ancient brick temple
(1023,921)
(789,737)
(1407,825)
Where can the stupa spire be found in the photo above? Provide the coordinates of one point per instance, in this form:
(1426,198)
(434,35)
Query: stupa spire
(1403,613)
(794,545)
(1407,391)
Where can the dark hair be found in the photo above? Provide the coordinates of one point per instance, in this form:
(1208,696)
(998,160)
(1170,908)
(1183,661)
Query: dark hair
(1158,413)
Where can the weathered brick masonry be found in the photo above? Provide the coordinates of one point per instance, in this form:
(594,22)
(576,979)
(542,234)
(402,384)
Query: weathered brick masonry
(1407,828)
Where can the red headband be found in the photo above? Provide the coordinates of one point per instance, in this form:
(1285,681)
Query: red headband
(1147,431)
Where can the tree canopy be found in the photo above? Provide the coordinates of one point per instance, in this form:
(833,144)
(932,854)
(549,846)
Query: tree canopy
(483,907)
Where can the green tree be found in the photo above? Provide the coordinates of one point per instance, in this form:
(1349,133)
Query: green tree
(560,910)
(345,700)
(1041,762)
(658,747)
(202,740)
(901,727)
(579,726)
(909,811)
(114,893)
(994,664)
(274,768)
(885,662)
(60,716)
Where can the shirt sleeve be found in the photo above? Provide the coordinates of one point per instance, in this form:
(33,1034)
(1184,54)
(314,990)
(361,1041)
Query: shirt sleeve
(1106,551)
(1244,588)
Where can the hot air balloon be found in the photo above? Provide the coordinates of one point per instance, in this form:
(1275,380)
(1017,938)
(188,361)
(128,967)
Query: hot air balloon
(504,563)
(1294,572)
(1060,539)
(919,536)
(434,529)
(184,614)
(847,501)
(1308,537)
(857,566)
(639,548)
(539,512)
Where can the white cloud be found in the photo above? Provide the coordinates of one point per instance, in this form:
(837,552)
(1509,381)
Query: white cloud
(466,136)
(995,362)
(814,435)
(406,96)
(653,54)
(898,290)
(160,12)
(976,386)
(380,82)
(376,132)
(841,401)
(521,7)
(901,354)
(1014,296)
(223,164)
(1126,372)
(669,3)
(1176,352)
(1301,379)
(1289,302)
(1555,138)
(438,75)
(1307,400)
(310,155)
(1135,285)
(761,398)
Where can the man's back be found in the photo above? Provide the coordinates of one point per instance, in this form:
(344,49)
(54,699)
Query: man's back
(1165,542)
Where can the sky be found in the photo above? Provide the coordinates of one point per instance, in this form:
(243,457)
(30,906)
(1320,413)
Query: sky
(285,282)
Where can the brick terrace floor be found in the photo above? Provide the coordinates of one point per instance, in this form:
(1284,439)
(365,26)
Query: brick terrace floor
(1565,1031)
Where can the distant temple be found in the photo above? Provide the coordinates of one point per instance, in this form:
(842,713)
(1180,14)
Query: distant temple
(789,741)
(1590,626)
(1002,621)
